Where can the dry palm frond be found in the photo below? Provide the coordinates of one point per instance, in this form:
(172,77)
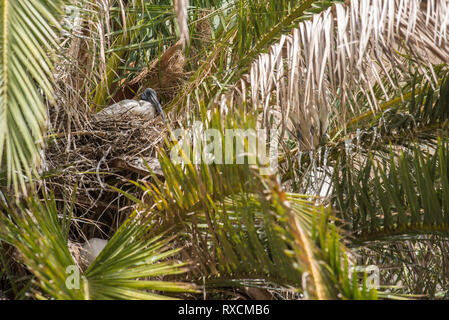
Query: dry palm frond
(164,74)
(182,15)
(203,27)
(346,60)
(76,73)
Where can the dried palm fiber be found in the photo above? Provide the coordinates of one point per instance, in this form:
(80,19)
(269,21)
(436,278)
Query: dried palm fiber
(165,75)
(203,28)
(75,74)
(201,38)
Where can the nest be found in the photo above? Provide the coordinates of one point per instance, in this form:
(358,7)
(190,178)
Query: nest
(86,157)
(110,152)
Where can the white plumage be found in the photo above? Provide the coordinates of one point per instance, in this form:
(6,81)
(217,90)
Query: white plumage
(130,107)
(148,107)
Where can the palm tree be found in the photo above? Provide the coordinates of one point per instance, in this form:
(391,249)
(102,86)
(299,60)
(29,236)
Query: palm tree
(26,68)
(358,92)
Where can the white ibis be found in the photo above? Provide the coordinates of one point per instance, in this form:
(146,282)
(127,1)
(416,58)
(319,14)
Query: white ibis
(148,107)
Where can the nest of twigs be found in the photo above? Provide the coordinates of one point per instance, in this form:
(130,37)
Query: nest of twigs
(110,152)
(90,158)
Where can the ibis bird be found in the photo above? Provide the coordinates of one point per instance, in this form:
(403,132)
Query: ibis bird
(148,107)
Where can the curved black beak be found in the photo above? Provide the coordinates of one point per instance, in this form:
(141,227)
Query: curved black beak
(159,110)
(152,98)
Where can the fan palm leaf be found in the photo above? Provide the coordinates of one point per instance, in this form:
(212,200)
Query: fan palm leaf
(127,268)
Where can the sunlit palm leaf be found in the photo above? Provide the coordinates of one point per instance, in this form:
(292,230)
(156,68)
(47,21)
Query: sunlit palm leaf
(28,39)
(127,268)
(243,228)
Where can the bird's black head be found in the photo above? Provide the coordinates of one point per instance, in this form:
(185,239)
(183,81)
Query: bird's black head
(151,96)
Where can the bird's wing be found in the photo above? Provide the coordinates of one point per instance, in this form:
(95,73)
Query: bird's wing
(140,108)
(144,108)
(119,108)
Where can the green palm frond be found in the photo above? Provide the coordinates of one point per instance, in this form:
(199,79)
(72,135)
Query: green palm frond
(398,195)
(28,40)
(243,228)
(131,257)
(396,163)
(357,93)
(420,115)
(35,231)
(130,266)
